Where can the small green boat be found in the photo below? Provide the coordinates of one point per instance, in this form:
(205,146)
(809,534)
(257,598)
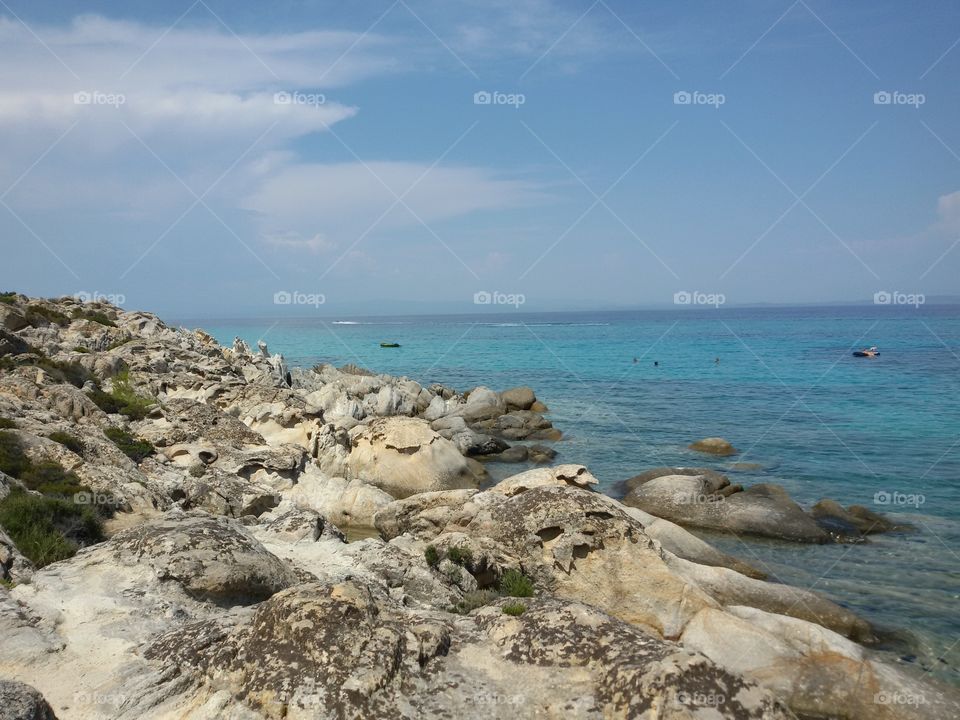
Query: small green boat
(386,344)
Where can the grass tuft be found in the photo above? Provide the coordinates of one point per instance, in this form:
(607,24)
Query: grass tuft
(514,583)
(135,449)
(514,608)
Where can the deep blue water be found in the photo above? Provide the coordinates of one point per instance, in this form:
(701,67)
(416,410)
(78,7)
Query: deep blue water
(786,391)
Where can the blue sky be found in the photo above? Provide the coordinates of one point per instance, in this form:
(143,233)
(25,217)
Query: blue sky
(147,151)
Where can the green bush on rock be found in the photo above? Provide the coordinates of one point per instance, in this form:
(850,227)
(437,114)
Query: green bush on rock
(122,399)
(514,583)
(70,442)
(514,609)
(135,449)
(47,529)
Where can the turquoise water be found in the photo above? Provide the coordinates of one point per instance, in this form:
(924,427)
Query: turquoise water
(786,391)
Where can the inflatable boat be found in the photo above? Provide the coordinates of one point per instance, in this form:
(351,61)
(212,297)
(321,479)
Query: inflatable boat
(869,352)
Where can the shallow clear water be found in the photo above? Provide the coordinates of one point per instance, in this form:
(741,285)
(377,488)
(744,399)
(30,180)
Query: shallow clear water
(786,392)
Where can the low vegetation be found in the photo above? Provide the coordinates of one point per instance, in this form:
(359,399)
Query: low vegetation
(514,608)
(50,526)
(58,371)
(8,297)
(7,424)
(473,600)
(48,529)
(70,442)
(460,556)
(134,448)
(514,583)
(432,556)
(122,399)
(41,315)
(93,315)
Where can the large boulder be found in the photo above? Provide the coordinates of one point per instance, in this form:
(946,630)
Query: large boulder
(19,701)
(817,672)
(403,456)
(518,398)
(578,545)
(714,446)
(338,650)
(706,502)
(211,557)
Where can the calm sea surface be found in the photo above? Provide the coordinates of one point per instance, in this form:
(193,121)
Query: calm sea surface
(786,391)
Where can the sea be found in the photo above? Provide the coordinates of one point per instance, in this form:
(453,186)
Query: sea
(632,389)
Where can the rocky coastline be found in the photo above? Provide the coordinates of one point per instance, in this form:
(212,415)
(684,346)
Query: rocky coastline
(174,526)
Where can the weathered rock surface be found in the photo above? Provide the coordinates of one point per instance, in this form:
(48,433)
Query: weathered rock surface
(22,702)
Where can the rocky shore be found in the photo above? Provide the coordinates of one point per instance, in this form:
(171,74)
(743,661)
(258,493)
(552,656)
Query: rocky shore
(174,518)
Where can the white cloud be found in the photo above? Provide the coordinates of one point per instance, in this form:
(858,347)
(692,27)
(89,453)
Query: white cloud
(948,210)
(344,199)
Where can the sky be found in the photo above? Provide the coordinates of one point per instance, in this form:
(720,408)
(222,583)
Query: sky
(239,159)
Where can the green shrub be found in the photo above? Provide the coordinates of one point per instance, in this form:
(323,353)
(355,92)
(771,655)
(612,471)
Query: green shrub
(7,424)
(48,529)
(7,583)
(81,349)
(122,399)
(198,470)
(93,315)
(118,342)
(8,298)
(514,609)
(69,372)
(473,600)
(515,584)
(13,461)
(40,315)
(432,556)
(70,442)
(130,446)
(460,556)
(49,478)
